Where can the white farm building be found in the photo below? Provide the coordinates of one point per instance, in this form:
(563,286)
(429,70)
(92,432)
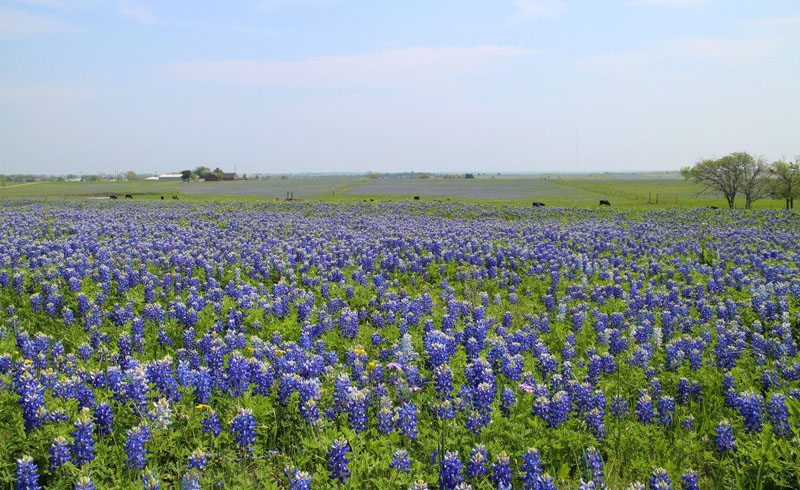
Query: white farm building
(170,177)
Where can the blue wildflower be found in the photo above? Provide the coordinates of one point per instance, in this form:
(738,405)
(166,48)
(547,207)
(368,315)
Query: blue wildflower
(59,453)
(507,401)
(659,480)
(476,464)
(778,413)
(450,471)
(85,483)
(594,462)
(31,398)
(357,410)
(724,439)
(104,418)
(749,406)
(198,460)
(211,423)
(150,481)
(298,480)
(501,472)
(407,420)
(243,426)
(531,468)
(644,409)
(135,446)
(689,481)
(337,460)
(27,475)
(190,481)
(619,406)
(83,439)
(666,410)
(401,461)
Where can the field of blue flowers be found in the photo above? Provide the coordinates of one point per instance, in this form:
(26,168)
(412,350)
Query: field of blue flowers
(397,345)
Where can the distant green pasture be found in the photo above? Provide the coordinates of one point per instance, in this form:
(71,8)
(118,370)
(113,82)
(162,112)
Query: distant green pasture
(638,191)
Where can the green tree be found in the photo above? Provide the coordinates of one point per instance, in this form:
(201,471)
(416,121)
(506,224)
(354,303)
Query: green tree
(186,175)
(201,171)
(131,175)
(785,182)
(724,175)
(218,172)
(754,177)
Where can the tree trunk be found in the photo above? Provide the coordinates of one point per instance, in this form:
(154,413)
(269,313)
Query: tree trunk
(731,201)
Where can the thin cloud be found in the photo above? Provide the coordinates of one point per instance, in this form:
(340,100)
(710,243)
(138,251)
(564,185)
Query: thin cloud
(762,41)
(778,23)
(16,23)
(737,51)
(273,4)
(668,3)
(624,62)
(137,13)
(534,9)
(387,68)
(61,4)
(44,93)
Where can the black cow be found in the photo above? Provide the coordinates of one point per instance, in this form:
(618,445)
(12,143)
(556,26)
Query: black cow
(128,196)
(162,198)
(604,202)
(713,207)
(416,198)
(175,197)
(113,197)
(538,204)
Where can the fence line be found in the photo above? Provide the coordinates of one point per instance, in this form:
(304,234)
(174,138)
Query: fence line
(597,188)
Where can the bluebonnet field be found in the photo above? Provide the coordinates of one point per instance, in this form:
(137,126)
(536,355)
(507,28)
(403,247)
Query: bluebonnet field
(397,345)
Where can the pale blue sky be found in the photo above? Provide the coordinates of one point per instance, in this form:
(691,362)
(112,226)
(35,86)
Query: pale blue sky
(358,85)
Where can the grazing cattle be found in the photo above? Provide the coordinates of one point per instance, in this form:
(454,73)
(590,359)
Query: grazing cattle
(175,197)
(128,196)
(538,204)
(113,197)
(713,207)
(416,198)
(162,198)
(604,202)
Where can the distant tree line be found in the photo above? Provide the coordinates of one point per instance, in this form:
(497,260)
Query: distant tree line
(22,178)
(741,174)
(202,171)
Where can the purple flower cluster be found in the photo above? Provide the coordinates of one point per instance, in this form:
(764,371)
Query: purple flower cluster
(243,426)
(338,461)
(395,322)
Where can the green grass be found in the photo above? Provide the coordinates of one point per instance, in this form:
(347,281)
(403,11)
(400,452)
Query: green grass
(649,192)
(626,191)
